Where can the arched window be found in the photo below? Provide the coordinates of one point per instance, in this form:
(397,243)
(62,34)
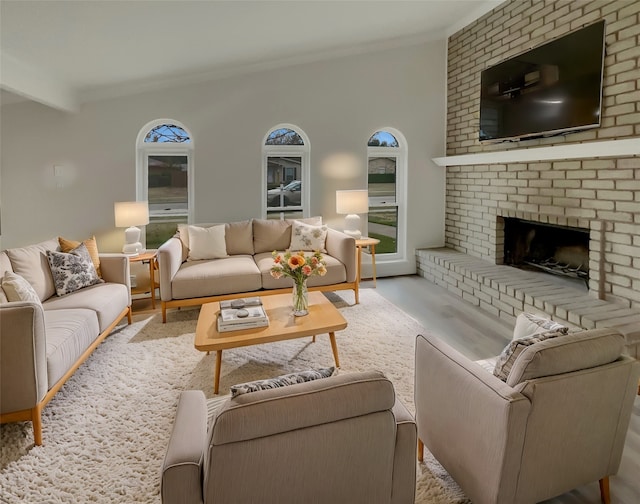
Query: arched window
(285,173)
(386,161)
(164,177)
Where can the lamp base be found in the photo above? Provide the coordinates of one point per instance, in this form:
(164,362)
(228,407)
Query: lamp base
(132,247)
(355,234)
(352,226)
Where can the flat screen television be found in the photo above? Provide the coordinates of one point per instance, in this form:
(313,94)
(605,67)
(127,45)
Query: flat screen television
(553,88)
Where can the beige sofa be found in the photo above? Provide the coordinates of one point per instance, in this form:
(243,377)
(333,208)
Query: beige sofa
(42,344)
(557,423)
(343,439)
(246,270)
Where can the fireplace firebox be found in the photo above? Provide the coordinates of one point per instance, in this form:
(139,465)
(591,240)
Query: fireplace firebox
(559,250)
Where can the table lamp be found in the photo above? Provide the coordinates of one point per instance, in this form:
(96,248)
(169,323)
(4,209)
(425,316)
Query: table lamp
(130,214)
(352,203)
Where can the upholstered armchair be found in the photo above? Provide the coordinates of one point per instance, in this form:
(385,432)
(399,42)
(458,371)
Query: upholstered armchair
(558,422)
(343,439)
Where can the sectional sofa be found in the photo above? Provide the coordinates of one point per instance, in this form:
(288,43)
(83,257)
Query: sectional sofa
(45,339)
(243,262)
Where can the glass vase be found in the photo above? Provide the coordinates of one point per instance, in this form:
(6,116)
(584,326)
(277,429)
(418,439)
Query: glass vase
(300,299)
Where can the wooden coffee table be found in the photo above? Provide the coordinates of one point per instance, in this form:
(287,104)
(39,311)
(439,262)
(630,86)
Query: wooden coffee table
(323,317)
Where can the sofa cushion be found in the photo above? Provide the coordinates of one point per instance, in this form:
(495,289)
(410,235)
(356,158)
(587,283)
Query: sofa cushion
(17,288)
(69,333)
(528,324)
(239,237)
(207,243)
(72,271)
(31,264)
(106,299)
(215,277)
(573,352)
(336,273)
(512,351)
(270,235)
(281,381)
(92,247)
(307,237)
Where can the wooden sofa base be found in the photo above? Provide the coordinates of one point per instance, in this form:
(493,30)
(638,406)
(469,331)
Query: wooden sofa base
(177,303)
(34,414)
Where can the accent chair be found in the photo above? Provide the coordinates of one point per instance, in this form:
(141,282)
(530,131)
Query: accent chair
(559,421)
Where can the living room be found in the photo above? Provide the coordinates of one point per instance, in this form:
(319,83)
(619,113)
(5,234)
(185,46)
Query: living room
(69,154)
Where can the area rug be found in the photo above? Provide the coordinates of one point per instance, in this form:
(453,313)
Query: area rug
(106,431)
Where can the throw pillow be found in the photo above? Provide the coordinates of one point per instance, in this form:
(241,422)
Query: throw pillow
(207,243)
(512,351)
(281,381)
(17,288)
(92,246)
(308,237)
(528,324)
(72,271)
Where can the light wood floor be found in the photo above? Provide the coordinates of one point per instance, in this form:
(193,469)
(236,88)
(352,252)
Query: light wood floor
(478,335)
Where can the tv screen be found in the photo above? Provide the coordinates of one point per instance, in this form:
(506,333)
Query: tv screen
(553,88)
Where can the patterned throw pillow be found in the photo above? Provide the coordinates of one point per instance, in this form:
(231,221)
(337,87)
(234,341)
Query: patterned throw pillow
(512,351)
(17,288)
(308,237)
(72,271)
(92,247)
(528,324)
(281,381)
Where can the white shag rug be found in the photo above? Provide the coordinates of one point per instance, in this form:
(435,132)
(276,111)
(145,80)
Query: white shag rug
(106,431)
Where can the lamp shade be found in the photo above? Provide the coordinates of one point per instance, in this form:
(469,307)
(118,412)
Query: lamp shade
(352,201)
(131,213)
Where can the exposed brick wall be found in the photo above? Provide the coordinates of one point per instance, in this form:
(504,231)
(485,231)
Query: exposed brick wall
(602,195)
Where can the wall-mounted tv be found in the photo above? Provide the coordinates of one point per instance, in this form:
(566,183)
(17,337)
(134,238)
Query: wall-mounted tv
(553,88)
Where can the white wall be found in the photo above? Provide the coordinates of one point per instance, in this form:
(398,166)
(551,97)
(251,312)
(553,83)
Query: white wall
(339,103)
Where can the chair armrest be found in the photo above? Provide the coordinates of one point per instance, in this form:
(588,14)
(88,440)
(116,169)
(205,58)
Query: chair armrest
(404,457)
(23,356)
(469,418)
(169,261)
(116,269)
(182,467)
(343,247)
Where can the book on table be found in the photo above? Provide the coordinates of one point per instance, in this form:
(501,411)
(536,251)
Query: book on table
(246,316)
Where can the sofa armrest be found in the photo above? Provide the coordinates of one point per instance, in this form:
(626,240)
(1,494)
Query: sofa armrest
(343,248)
(182,466)
(23,356)
(404,457)
(169,261)
(116,269)
(469,418)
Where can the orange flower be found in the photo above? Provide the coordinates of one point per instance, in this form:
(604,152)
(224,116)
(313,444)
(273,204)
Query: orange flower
(277,259)
(296,261)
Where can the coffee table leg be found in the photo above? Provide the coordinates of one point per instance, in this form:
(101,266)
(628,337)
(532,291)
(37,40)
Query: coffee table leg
(334,347)
(216,380)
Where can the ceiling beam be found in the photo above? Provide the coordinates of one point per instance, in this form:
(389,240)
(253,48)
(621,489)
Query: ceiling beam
(25,80)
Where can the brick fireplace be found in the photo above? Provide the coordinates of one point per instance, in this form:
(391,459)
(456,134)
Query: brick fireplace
(597,194)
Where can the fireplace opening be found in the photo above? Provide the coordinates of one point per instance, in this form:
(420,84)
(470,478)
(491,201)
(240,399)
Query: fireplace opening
(559,250)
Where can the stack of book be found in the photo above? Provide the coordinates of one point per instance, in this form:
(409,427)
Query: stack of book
(238,314)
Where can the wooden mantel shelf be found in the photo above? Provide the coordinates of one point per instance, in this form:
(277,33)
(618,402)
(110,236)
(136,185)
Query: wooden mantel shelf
(609,148)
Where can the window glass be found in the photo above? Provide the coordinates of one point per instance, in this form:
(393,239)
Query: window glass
(162,174)
(382,139)
(285,158)
(382,179)
(284,136)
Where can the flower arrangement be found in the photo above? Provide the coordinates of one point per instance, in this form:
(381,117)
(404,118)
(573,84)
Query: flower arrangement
(297,265)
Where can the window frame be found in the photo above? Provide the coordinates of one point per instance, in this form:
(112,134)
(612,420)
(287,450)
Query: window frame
(400,155)
(301,151)
(146,149)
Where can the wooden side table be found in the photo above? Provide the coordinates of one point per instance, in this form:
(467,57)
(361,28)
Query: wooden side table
(150,256)
(366,241)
